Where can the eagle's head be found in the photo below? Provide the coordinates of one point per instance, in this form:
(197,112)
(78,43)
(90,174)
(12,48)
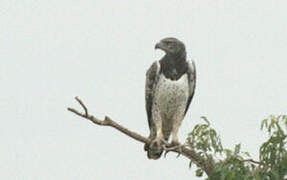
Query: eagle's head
(171,46)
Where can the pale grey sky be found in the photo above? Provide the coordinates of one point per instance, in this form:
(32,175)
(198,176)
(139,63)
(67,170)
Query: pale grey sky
(51,51)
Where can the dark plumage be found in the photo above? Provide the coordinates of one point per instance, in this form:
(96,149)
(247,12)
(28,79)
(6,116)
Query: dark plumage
(170,85)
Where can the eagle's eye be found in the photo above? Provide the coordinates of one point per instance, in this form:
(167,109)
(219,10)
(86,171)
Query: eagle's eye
(169,44)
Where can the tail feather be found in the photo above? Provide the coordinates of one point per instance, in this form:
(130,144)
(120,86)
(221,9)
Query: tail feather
(154,151)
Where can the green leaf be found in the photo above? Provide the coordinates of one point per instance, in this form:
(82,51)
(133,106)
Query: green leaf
(237,149)
(247,154)
(263,124)
(190,164)
(205,119)
(198,172)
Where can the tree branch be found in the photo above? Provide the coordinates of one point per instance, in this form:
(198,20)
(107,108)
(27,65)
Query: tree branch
(107,122)
(252,161)
(201,162)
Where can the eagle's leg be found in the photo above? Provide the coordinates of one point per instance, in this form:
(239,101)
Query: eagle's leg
(159,139)
(175,142)
(159,142)
(146,146)
(174,132)
(178,117)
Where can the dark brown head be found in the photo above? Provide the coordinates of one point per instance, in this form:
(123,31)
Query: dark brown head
(171,46)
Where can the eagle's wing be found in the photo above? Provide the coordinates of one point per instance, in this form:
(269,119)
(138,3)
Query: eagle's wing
(191,73)
(152,75)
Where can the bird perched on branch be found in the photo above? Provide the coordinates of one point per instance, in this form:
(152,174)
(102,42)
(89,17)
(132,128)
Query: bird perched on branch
(170,84)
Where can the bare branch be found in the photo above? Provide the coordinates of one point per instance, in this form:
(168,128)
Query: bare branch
(207,166)
(83,106)
(252,161)
(108,122)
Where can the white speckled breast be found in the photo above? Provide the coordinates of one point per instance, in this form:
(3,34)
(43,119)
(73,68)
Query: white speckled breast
(170,100)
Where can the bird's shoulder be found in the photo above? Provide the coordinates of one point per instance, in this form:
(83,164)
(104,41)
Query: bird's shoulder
(152,75)
(153,69)
(191,69)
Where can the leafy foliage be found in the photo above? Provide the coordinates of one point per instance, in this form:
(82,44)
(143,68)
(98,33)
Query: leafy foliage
(234,164)
(204,139)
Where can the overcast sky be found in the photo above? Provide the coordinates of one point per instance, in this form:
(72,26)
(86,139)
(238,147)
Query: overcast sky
(52,51)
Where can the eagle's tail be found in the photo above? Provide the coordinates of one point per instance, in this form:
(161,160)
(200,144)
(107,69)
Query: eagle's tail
(154,150)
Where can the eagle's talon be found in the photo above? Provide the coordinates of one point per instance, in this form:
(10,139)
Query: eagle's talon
(164,142)
(175,143)
(166,151)
(159,142)
(177,148)
(146,146)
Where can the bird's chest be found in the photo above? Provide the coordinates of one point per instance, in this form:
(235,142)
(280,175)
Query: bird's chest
(171,95)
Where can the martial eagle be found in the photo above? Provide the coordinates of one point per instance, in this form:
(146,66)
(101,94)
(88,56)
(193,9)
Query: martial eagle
(170,84)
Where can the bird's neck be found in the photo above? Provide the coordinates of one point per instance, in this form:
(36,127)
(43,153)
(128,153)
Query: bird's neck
(173,66)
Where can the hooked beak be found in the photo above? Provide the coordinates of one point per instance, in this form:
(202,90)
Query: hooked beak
(158,46)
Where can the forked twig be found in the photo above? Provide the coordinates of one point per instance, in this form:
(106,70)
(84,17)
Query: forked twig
(187,152)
